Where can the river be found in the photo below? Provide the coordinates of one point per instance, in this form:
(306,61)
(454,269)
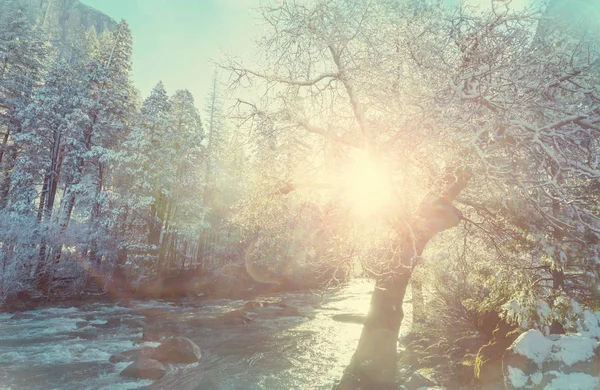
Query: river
(69,347)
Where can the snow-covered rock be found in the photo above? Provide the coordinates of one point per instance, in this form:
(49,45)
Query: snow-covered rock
(537,362)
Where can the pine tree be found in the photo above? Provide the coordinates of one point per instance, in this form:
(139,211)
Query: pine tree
(23,52)
(101,119)
(144,166)
(185,203)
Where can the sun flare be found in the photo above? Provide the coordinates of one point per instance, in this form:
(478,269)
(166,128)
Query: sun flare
(369,187)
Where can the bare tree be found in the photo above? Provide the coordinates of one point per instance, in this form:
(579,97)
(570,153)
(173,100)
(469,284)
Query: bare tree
(465,109)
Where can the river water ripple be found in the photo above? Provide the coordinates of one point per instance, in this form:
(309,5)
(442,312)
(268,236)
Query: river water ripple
(53,348)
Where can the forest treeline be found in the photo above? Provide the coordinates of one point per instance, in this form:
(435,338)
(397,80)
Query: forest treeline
(97,185)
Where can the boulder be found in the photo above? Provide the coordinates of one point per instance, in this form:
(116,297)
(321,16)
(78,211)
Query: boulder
(81,324)
(177,350)
(534,361)
(144,368)
(520,371)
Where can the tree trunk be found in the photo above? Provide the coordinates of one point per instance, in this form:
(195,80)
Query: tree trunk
(156,222)
(95,215)
(42,203)
(45,272)
(6,181)
(119,276)
(49,190)
(185,254)
(4,143)
(373,365)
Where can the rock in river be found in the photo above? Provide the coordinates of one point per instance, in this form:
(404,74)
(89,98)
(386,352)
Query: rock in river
(177,350)
(145,368)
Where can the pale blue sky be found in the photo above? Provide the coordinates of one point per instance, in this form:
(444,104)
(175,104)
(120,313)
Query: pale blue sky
(174,39)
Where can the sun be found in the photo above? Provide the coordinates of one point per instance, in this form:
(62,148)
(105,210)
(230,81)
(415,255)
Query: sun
(369,187)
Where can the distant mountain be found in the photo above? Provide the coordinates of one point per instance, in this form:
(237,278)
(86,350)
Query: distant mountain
(65,19)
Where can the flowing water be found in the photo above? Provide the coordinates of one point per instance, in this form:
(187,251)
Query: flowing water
(53,348)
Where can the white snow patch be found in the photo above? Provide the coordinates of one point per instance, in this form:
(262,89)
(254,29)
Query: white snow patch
(591,324)
(543,309)
(537,377)
(533,345)
(517,377)
(568,349)
(574,381)
(573,348)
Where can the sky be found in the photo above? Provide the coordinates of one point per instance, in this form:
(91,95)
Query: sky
(174,40)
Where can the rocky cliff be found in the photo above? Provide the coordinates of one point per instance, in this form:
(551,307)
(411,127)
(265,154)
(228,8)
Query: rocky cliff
(64,19)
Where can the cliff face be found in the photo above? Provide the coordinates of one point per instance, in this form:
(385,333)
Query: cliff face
(581,18)
(66,20)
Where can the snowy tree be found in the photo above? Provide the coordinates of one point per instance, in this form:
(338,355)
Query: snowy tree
(97,122)
(161,180)
(23,51)
(184,205)
(145,165)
